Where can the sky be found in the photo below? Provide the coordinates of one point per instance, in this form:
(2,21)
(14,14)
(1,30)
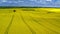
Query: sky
(38,3)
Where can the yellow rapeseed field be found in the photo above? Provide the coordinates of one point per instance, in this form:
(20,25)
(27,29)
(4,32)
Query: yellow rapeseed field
(30,21)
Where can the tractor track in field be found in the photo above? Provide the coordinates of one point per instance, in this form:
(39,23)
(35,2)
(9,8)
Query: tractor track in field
(6,32)
(10,24)
(33,32)
(43,25)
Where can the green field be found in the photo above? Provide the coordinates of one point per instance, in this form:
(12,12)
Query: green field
(30,21)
